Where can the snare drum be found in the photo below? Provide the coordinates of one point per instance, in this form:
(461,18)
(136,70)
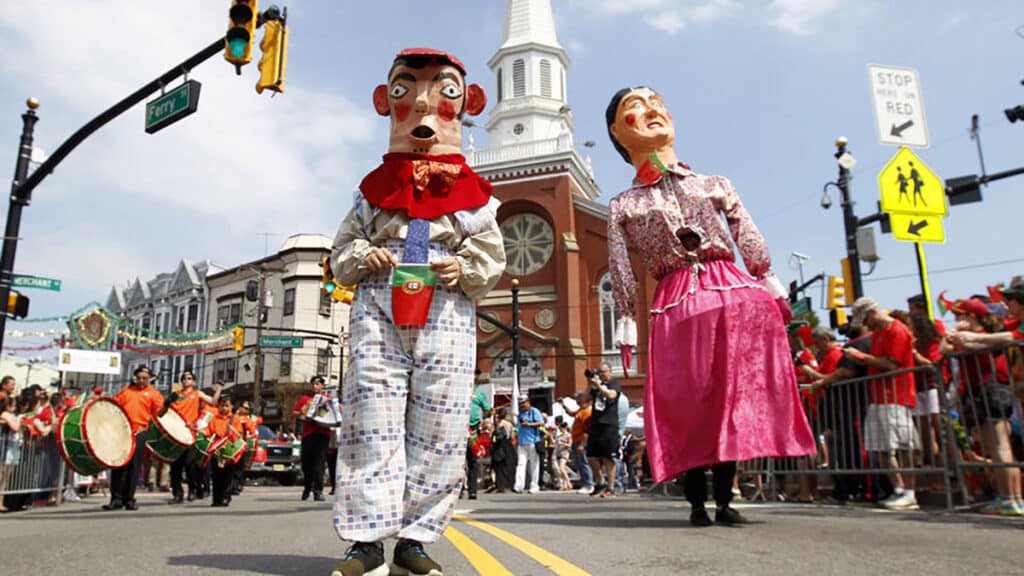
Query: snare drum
(227,450)
(251,445)
(169,437)
(96,436)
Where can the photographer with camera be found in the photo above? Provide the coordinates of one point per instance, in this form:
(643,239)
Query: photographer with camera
(603,443)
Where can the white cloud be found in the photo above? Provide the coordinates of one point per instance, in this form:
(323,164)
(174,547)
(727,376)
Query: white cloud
(952,22)
(798,16)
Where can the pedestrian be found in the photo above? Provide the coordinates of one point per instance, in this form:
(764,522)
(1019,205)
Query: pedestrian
(528,435)
(10,442)
(315,439)
(563,449)
(719,385)
(141,402)
(504,456)
(603,438)
(423,244)
(479,409)
(580,432)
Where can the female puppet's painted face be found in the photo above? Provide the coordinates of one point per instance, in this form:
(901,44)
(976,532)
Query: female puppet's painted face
(425,105)
(642,123)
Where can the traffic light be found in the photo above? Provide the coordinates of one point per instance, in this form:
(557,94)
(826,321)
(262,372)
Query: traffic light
(17,304)
(835,293)
(238,338)
(275,52)
(241,32)
(847,282)
(837,318)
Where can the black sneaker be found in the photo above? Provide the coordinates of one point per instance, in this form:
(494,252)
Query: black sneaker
(699,518)
(598,489)
(729,516)
(411,560)
(305,494)
(362,559)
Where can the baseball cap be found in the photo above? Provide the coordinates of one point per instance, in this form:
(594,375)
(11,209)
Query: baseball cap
(860,308)
(971,306)
(1014,289)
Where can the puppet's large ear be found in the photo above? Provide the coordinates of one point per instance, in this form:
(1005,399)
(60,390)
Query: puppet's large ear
(476,99)
(380,100)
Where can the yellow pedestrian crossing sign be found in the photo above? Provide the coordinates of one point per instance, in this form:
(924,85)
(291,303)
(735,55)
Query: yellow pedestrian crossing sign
(908,186)
(914,228)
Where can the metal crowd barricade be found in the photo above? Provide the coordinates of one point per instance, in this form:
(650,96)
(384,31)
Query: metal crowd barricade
(986,418)
(30,465)
(864,434)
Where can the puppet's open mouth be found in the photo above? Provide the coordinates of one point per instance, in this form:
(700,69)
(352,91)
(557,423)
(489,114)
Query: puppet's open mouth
(423,132)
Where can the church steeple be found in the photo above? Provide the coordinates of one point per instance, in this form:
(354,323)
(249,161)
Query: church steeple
(529,68)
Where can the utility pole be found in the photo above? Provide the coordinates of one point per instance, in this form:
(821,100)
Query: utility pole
(18,200)
(850,221)
(257,386)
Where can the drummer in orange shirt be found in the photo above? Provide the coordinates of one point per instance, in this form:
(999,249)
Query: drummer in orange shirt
(222,425)
(245,425)
(141,402)
(188,403)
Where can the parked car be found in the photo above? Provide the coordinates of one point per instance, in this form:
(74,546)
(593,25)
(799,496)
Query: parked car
(275,458)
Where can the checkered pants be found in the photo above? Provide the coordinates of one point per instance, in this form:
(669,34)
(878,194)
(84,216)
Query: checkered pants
(406,402)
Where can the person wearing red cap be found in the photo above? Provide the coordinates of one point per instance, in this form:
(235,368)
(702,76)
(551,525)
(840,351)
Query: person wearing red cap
(987,405)
(406,400)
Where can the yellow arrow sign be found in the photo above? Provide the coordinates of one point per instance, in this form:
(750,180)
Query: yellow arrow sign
(914,228)
(909,187)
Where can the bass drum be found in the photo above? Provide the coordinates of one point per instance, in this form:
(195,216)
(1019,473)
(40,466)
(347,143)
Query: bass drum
(169,436)
(95,436)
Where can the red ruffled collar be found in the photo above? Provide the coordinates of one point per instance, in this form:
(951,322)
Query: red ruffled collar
(425,186)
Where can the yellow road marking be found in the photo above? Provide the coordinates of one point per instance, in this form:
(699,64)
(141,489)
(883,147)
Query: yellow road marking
(477,556)
(547,559)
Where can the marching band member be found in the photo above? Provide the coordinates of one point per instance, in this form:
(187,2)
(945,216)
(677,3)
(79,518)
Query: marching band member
(188,402)
(142,403)
(222,426)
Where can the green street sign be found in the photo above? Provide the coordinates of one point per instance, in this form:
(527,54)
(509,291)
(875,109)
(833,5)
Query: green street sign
(281,342)
(23,281)
(800,307)
(172,106)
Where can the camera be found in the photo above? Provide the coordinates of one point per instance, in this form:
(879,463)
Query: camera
(589,373)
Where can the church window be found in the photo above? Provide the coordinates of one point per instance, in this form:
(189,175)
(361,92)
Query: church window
(608,315)
(518,129)
(545,78)
(518,78)
(500,87)
(529,243)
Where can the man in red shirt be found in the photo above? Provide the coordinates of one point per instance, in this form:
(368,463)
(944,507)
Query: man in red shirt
(315,439)
(889,424)
(188,402)
(141,402)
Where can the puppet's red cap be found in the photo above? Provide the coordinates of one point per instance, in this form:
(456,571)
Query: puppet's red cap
(433,53)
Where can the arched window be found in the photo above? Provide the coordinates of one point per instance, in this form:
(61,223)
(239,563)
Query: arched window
(530,371)
(545,78)
(500,86)
(518,78)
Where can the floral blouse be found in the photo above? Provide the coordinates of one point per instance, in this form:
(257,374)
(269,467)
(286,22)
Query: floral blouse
(647,220)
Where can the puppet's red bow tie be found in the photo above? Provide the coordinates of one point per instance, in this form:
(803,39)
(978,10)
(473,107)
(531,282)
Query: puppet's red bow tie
(424,170)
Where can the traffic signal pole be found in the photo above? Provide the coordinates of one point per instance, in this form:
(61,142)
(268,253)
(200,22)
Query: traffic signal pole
(17,201)
(850,222)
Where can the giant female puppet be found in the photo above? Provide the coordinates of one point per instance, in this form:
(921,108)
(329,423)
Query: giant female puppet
(421,238)
(720,385)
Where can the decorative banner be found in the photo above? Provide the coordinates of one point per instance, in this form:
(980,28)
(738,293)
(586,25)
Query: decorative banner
(92,330)
(159,352)
(29,348)
(37,334)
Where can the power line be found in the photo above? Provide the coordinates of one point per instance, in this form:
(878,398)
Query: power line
(945,270)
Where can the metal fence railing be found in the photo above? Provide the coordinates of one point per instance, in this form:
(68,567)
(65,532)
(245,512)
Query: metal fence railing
(31,466)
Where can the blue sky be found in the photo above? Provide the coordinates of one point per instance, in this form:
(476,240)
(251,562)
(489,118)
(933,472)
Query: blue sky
(759,91)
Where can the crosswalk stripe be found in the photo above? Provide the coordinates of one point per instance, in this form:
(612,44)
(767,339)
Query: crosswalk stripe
(477,556)
(547,559)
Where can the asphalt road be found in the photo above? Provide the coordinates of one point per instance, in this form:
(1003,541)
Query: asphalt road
(270,531)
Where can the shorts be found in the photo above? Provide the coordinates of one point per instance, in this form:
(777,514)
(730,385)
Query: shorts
(603,442)
(991,402)
(890,427)
(927,403)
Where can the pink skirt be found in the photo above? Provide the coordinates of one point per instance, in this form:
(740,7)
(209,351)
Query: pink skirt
(720,380)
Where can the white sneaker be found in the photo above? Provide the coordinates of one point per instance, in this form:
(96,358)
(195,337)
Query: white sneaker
(901,502)
(585,491)
(533,490)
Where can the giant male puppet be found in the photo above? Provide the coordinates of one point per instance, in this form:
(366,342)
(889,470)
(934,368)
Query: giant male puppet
(422,243)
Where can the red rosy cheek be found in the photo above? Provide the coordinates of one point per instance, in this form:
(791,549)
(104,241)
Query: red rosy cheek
(446,110)
(630,119)
(402,111)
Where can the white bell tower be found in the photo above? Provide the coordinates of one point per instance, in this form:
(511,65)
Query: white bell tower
(529,68)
